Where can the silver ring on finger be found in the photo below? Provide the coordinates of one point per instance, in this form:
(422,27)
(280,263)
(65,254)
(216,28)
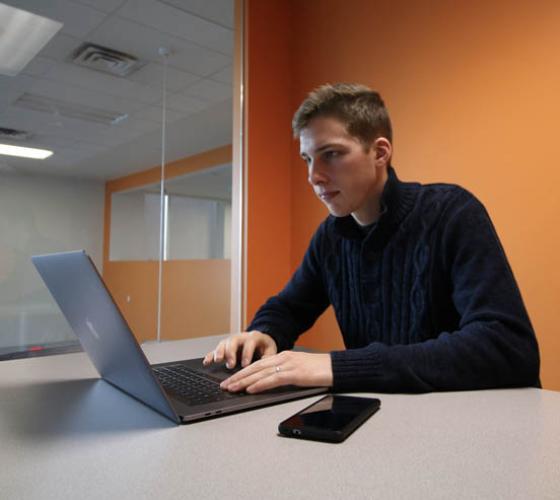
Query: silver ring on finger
(277,369)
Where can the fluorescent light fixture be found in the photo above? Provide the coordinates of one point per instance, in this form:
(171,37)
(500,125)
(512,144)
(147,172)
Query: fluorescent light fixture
(38,154)
(22,36)
(69,109)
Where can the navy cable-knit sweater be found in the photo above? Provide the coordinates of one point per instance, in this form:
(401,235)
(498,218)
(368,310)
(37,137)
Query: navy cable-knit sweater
(425,300)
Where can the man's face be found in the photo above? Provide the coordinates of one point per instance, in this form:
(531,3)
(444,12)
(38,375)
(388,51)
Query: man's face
(347,177)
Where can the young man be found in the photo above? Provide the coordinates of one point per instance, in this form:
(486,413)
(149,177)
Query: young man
(422,291)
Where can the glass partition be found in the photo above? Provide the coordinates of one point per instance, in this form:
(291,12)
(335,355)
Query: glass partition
(41,214)
(197,218)
(94,95)
(199,215)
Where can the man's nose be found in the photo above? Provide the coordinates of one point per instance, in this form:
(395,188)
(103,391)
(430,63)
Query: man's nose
(315,174)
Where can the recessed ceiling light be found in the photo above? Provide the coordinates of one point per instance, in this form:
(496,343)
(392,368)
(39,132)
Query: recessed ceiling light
(38,154)
(22,36)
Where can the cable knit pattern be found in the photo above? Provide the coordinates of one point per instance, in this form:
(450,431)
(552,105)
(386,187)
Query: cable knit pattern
(425,300)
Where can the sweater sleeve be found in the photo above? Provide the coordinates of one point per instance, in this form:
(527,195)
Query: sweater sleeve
(296,308)
(494,345)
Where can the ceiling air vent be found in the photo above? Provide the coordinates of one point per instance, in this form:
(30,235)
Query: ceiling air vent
(10,134)
(104,59)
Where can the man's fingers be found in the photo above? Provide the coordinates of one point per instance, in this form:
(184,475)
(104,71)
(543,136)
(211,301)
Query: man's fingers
(246,372)
(215,356)
(264,379)
(269,350)
(232,345)
(208,358)
(266,367)
(219,352)
(270,382)
(243,345)
(248,351)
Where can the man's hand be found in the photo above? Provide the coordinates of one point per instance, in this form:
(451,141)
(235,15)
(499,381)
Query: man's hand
(245,344)
(288,367)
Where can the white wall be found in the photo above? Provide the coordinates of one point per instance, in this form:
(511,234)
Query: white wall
(192,223)
(134,226)
(40,214)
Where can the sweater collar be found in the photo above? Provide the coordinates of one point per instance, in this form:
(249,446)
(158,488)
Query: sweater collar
(397,200)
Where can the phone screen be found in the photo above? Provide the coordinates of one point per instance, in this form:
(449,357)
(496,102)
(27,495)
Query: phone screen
(332,418)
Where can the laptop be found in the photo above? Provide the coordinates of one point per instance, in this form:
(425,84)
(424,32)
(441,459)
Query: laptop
(183,391)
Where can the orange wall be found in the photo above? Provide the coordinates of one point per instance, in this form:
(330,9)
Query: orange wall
(472,88)
(195,293)
(268,151)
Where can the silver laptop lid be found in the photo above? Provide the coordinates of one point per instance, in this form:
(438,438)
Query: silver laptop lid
(79,291)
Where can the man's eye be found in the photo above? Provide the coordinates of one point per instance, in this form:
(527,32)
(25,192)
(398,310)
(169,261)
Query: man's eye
(329,155)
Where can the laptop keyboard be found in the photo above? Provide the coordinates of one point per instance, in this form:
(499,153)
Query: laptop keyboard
(192,387)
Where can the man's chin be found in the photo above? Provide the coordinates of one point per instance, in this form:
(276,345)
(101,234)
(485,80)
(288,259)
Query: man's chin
(337,212)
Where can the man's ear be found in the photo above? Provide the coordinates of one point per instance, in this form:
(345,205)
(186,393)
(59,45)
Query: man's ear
(383,150)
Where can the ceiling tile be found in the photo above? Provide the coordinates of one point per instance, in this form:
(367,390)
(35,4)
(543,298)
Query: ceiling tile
(67,157)
(152,74)
(185,103)
(48,140)
(103,5)
(78,95)
(15,165)
(209,90)
(39,66)
(169,19)
(225,75)
(12,87)
(27,120)
(213,129)
(89,146)
(61,47)
(96,81)
(114,138)
(78,19)
(143,42)
(71,128)
(135,126)
(64,130)
(154,114)
(218,11)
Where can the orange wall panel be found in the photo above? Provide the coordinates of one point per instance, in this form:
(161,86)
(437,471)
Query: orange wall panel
(133,285)
(195,298)
(268,151)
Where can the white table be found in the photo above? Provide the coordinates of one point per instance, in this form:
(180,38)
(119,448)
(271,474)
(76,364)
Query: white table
(64,434)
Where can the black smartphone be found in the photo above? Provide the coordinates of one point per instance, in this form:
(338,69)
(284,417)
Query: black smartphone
(332,418)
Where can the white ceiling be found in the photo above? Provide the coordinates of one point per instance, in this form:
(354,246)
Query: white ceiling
(199,34)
